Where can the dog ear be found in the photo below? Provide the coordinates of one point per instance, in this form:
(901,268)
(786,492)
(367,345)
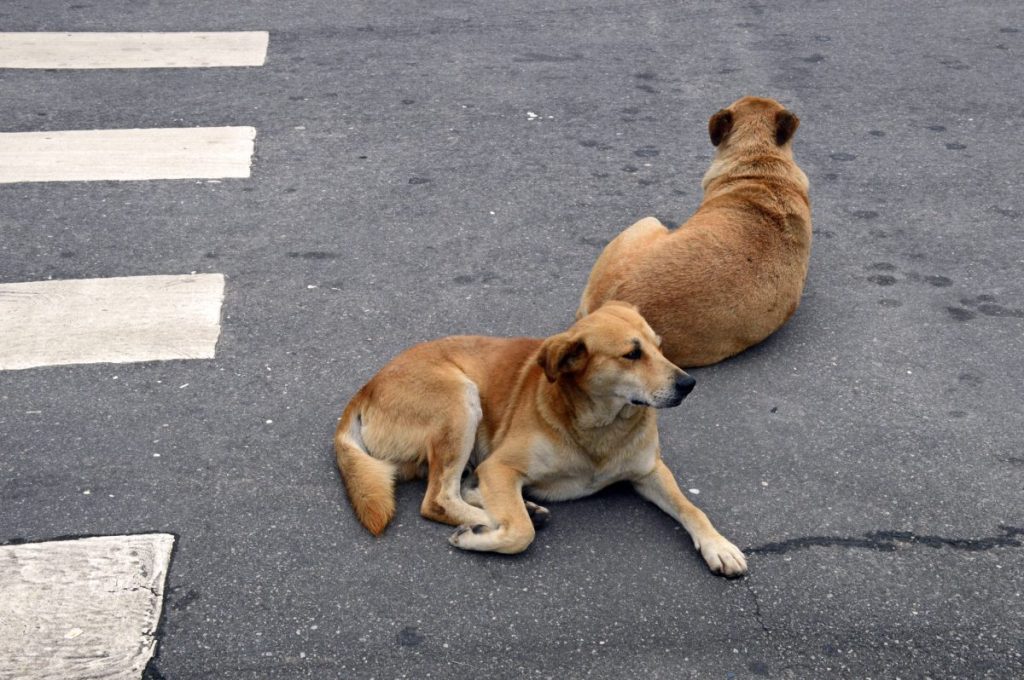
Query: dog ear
(719,126)
(786,124)
(561,354)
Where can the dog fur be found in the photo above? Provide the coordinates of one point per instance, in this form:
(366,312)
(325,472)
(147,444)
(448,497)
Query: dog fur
(559,418)
(734,272)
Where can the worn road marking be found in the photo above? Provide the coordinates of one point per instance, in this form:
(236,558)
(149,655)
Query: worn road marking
(157,153)
(132,50)
(86,608)
(84,321)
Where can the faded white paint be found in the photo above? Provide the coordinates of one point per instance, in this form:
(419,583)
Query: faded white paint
(138,318)
(132,50)
(157,153)
(86,608)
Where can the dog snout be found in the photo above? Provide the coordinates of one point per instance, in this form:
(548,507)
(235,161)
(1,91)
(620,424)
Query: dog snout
(684,385)
(681,387)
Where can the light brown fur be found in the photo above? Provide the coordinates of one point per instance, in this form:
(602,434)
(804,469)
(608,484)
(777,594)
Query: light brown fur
(560,418)
(734,272)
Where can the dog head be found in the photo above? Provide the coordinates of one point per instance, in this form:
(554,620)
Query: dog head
(752,121)
(613,355)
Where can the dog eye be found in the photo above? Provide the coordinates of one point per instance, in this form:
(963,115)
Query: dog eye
(633,355)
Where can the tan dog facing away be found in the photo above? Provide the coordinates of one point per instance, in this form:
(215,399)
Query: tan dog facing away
(559,418)
(733,273)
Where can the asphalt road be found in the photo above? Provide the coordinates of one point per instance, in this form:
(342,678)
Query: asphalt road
(425,169)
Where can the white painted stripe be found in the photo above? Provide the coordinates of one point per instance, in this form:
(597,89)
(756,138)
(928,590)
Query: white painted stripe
(116,320)
(156,153)
(87,608)
(133,50)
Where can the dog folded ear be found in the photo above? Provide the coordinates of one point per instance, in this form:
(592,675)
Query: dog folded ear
(719,126)
(786,124)
(561,354)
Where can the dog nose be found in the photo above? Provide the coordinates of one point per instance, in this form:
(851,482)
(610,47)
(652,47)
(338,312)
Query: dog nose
(684,385)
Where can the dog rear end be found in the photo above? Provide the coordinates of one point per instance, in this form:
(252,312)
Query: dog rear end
(369,481)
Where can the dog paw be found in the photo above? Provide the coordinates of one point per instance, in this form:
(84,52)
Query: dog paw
(464,536)
(492,539)
(539,515)
(723,557)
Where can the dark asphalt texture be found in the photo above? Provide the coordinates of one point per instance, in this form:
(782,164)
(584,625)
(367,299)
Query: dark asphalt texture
(867,457)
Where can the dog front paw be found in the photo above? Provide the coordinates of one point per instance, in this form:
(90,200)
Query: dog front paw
(464,536)
(723,557)
(492,539)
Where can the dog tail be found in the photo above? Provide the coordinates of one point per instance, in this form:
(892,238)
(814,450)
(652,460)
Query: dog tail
(369,481)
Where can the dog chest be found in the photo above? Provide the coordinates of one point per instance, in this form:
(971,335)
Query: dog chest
(561,474)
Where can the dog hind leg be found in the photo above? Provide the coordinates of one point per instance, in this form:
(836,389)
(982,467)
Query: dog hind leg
(447,454)
(615,260)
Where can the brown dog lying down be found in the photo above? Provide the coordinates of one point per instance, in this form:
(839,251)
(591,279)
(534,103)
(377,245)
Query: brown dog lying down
(560,418)
(733,273)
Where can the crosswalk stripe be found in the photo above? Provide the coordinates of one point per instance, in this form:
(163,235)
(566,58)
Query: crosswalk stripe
(132,50)
(113,320)
(156,153)
(85,608)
